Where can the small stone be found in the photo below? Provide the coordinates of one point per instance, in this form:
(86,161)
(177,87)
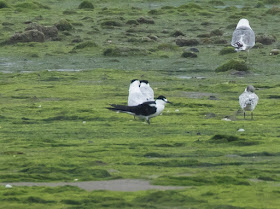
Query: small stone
(8,186)
(186,42)
(226,119)
(189,54)
(193,49)
(241,130)
(274,52)
(178,33)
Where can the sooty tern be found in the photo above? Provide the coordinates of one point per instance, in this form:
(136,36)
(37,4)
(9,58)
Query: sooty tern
(145,110)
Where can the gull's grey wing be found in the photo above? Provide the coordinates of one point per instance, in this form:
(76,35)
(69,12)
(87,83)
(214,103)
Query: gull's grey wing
(246,34)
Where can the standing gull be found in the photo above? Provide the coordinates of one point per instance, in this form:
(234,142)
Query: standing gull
(135,96)
(147,91)
(243,37)
(248,100)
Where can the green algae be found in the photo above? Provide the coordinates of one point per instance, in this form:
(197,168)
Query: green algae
(233,64)
(54,125)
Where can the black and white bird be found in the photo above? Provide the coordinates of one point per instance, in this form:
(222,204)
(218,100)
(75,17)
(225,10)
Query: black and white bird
(135,96)
(243,37)
(248,100)
(145,110)
(147,91)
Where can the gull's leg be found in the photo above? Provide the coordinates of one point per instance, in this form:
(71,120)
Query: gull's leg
(244,115)
(252,115)
(148,120)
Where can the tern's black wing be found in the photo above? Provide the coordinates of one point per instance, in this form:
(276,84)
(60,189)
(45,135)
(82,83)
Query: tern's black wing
(146,109)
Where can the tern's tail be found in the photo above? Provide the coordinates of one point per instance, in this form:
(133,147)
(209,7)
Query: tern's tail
(121,108)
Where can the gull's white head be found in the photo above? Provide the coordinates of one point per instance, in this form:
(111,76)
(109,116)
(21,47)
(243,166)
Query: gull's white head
(144,83)
(243,22)
(250,88)
(135,82)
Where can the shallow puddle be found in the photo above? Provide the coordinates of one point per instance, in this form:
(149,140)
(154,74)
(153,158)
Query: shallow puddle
(125,185)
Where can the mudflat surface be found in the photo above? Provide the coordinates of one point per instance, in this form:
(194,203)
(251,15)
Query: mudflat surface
(125,185)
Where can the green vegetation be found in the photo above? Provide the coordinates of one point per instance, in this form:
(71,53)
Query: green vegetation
(233,64)
(86,5)
(54,125)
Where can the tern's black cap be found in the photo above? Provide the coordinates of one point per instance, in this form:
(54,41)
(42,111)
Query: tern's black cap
(144,81)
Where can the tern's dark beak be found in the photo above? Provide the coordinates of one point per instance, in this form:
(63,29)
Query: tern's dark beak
(169,102)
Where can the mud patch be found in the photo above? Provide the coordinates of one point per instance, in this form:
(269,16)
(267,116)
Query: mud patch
(197,95)
(125,185)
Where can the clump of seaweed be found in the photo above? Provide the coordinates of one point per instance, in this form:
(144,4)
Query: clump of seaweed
(3,5)
(233,64)
(187,42)
(220,138)
(86,5)
(64,25)
(86,44)
(109,23)
(265,39)
(273,11)
(216,32)
(216,3)
(189,55)
(227,50)
(271,1)
(31,5)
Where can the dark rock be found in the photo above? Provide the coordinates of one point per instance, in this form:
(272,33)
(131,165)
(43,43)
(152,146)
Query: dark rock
(193,49)
(189,54)
(49,32)
(265,39)
(213,97)
(27,36)
(187,42)
(178,33)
